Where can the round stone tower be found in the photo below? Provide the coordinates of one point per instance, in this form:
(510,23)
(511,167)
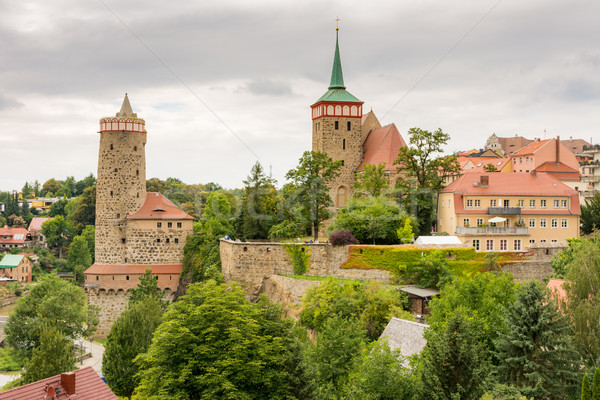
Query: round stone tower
(121,184)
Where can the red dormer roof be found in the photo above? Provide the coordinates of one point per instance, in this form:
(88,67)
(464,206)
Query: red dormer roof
(85,384)
(382,146)
(158,206)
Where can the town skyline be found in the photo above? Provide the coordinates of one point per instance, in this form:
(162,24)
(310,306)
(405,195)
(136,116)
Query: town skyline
(222,87)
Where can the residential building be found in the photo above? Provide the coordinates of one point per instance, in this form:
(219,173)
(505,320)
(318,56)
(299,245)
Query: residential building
(12,237)
(35,231)
(508,211)
(344,133)
(590,181)
(81,384)
(43,204)
(17,267)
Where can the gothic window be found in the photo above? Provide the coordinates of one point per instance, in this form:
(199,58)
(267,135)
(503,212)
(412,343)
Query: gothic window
(346,110)
(330,110)
(338,110)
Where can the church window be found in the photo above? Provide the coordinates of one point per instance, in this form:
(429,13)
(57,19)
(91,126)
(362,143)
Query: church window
(348,125)
(338,110)
(346,110)
(330,110)
(337,125)
(353,111)
(343,144)
(159,224)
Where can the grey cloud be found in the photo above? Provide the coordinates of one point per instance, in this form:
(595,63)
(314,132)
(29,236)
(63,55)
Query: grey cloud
(8,103)
(269,87)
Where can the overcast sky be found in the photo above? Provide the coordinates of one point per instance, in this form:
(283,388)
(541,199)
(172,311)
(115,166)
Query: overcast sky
(222,84)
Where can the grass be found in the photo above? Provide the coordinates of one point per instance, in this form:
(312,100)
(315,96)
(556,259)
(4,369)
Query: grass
(101,341)
(8,309)
(321,278)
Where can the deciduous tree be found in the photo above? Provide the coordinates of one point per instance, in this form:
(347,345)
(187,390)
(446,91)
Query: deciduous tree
(53,356)
(259,205)
(590,214)
(371,180)
(57,232)
(79,258)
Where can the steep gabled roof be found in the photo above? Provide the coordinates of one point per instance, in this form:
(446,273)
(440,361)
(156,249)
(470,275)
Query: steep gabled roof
(532,147)
(11,260)
(36,223)
(157,206)
(382,146)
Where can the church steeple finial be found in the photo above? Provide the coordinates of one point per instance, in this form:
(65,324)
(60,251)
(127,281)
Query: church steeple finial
(126,110)
(337,79)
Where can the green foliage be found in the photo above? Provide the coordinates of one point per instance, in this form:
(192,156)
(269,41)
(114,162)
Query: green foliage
(405,234)
(84,213)
(432,270)
(481,299)
(586,390)
(9,360)
(89,233)
(454,364)
(490,262)
(51,303)
(79,258)
(489,167)
(284,230)
(332,356)
(51,186)
(130,335)
(311,178)
(57,232)
(259,205)
(369,303)
(371,220)
(147,289)
(371,181)
(596,385)
(535,352)
(563,259)
(582,303)
(380,375)
(299,256)
(53,356)
(590,214)
(214,344)
(58,208)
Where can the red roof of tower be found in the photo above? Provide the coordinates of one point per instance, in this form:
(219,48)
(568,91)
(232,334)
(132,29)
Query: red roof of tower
(132,269)
(158,206)
(382,146)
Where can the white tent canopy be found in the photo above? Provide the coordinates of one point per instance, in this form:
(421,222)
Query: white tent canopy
(495,220)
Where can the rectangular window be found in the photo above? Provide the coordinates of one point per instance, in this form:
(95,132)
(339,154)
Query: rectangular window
(476,244)
(531,241)
(176,240)
(179,224)
(564,223)
(563,204)
(479,221)
(169,224)
(348,126)
(542,240)
(489,245)
(555,203)
(159,224)
(520,203)
(337,125)
(492,203)
(555,222)
(506,203)
(466,222)
(532,222)
(542,222)
(503,244)
(531,203)
(543,203)
(517,245)
(469,203)
(477,203)
(554,240)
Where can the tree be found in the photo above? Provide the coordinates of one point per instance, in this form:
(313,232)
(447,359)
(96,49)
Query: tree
(424,173)
(89,233)
(52,303)
(371,180)
(26,191)
(53,356)
(586,391)
(147,288)
(582,302)
(130,335)
(536,355)
(259,204)
(57,232)
(372,220)
(85,212)
(68,187)
(58,208)
(405,234)
(312,177)
(432,270)
(590,214)
(596,385)
(333,354)
(16,221)
(51,186)
(380,374)
(79,258)
(213,343)
(489,167)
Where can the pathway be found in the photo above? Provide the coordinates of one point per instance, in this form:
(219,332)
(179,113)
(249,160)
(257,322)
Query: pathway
(95,361)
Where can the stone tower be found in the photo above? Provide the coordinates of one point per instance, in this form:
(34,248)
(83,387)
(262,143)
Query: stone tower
(336,130)
(121,184)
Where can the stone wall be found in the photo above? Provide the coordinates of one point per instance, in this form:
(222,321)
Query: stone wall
(529,270)
(282,289)
(147,244)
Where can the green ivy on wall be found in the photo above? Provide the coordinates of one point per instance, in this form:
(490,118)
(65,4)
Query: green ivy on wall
(299,256)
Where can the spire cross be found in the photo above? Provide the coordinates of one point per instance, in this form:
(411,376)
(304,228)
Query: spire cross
(337,24)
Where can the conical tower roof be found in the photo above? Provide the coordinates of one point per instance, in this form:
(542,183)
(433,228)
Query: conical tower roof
(126,110)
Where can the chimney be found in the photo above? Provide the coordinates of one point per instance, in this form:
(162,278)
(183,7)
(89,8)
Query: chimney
(484,180)
(557,149)
(67,380)
(533,173)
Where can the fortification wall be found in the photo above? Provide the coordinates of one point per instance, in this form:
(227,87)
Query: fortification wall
(146,245)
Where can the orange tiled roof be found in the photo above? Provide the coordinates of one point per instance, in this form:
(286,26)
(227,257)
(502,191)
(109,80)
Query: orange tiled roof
(382,146)
(158,206)
(559,170)
(532,147)
(481,162)
(20,233)
(36,223)
(132,269)
(575,145)
(88,386)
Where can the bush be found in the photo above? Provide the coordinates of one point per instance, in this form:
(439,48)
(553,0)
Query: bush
(284,230)
(18,292)
(341,238)
(299,256)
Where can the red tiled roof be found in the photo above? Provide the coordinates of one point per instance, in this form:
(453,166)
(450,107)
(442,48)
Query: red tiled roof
(157,206)
(575,145)
(555,286)
(36,223)
(512,144)
(532,147)
(481,162)
(6,231)
(88,386)
(382,146)
(132,269)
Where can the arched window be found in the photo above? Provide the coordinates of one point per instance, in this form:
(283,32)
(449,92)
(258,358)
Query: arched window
(346,111)
(341,196)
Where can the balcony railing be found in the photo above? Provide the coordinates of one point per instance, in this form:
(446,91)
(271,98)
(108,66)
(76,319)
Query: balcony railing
(492,230)
(590,178)
(504,210)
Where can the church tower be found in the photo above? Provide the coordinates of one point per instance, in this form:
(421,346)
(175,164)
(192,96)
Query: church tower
(336,130)
(121,184)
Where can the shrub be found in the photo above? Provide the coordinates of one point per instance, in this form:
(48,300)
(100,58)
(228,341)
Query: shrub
(342,237)
(299,256)
(286,229)
(18,292)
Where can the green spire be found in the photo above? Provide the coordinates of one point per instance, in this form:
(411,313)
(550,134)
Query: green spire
(337,79)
